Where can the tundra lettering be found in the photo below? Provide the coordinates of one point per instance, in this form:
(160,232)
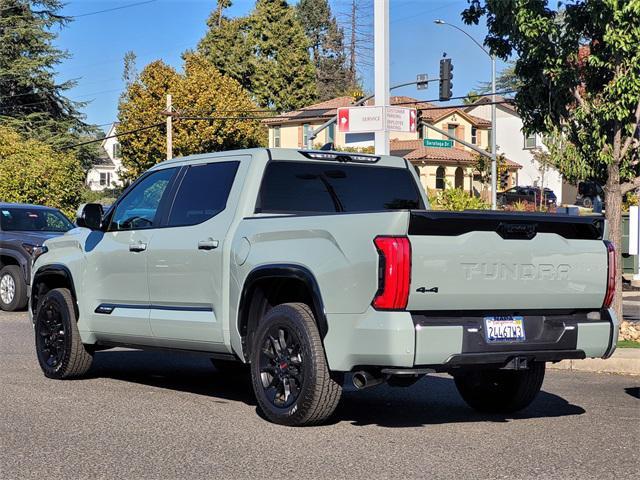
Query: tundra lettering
(516,271)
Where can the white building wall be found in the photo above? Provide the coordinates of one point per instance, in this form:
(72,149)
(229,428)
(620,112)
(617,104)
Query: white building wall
(510,141)
(93,175)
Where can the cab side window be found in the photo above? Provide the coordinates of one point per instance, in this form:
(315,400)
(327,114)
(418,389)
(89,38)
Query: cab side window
(139,208)
(203,193)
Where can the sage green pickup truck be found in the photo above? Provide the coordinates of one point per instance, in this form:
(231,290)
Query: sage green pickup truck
(312,269)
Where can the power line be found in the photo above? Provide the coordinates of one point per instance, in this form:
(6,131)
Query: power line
(112,9)
(129,132)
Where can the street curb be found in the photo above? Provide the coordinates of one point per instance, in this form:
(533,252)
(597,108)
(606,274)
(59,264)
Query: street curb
(624,361)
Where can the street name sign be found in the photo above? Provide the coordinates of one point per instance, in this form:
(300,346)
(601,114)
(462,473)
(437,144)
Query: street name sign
(376,119)
(432,142)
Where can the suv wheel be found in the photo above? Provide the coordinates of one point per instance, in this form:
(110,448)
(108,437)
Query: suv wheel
(501,391)
(13,290)
(289,371)
(587,202)
(60,351)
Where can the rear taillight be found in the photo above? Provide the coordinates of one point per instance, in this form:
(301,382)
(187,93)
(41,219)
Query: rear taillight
(394,273)
(612,263)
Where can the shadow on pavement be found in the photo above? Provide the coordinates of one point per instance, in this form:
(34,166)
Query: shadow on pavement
(173,371)
(433,400)
(633,391)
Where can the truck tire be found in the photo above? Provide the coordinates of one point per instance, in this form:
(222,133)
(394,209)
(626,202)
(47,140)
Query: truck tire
(501,391)
(13,289)
(587,202)
(289,371)
(60,350)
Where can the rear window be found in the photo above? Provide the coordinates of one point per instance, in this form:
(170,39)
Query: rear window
(298,187)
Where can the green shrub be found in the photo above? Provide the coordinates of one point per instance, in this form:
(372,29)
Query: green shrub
(456,199)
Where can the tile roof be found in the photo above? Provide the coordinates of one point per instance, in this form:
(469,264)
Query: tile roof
(508,105)
(327,109)
(415,150)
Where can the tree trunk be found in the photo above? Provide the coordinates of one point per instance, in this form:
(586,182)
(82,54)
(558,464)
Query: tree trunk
(613,214)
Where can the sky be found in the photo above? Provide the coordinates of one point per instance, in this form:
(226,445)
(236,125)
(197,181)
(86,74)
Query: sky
(164,29)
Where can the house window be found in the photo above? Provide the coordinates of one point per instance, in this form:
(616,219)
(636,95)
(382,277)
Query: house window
(331,133)
(474,135)
(440,173)
(116,150)
(451,129)
(530,141)
(105,179)
(459,180)
(276,136)
(305,135)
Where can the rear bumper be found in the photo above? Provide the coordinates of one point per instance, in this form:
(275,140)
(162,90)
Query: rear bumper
(444,341)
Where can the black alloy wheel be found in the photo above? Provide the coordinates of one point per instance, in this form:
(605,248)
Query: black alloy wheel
(281,366)
(50,338)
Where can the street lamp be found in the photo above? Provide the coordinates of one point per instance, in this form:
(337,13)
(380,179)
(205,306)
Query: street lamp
(494,173)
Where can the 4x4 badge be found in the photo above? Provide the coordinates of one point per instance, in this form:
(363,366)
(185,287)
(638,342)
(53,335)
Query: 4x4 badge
(427,290)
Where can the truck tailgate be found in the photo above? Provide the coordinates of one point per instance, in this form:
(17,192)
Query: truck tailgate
(506,261)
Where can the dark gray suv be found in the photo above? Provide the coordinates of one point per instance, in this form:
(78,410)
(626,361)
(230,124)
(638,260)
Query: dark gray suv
(23,230)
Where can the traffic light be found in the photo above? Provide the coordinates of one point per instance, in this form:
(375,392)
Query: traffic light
(446,77)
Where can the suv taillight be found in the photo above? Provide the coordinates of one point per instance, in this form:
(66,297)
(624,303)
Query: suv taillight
(394,273)
(612,268)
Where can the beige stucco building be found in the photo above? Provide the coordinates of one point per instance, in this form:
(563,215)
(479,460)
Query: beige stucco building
(438,167)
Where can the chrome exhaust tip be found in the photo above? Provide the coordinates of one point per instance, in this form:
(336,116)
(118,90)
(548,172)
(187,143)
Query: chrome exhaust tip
(363,379)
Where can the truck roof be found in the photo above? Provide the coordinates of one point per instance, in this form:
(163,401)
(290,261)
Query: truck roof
(24,205)
(297,155)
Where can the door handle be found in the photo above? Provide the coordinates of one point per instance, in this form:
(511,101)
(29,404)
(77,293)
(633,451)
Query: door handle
(208,244)
(137,247)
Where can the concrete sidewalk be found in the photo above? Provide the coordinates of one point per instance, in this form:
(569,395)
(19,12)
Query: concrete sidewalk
(624,361)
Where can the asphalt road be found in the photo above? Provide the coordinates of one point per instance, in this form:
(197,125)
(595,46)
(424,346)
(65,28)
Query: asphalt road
(151,415)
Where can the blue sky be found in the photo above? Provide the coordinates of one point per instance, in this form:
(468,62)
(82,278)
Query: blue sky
(163,29)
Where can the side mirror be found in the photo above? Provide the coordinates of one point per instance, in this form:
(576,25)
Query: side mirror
(90,216)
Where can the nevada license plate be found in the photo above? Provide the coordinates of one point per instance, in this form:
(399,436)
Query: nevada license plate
(504,329)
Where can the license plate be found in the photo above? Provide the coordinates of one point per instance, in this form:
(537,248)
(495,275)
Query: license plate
(504,329)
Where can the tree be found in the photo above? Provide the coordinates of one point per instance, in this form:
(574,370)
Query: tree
(201,91)
(267,52)
(142,105)
(506,80)
(284,76)
(326,39)
(544,162)
(472,97)
(482,169)
(32,101)
(580,74)
(226,46)
(32,172)
(356,22)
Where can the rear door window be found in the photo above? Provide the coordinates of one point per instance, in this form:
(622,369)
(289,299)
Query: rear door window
(203,193)
(299,187)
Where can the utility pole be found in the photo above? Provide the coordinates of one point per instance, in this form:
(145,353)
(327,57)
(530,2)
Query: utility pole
(169,128)
(381,67)
(494,164)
